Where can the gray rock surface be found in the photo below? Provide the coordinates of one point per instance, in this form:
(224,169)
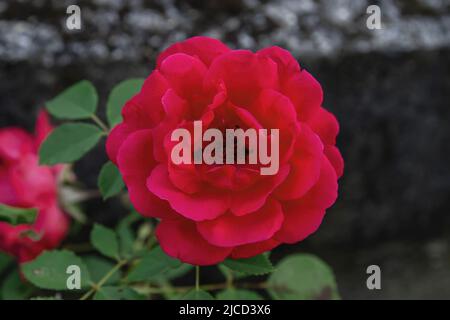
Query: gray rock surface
(118,30)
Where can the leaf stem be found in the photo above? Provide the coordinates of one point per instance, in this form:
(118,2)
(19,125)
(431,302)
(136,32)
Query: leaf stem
(100,123)
(97,286)
(230,279)
(197,278)
(207,287)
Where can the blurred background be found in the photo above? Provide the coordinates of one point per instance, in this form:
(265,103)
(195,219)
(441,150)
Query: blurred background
(389,89)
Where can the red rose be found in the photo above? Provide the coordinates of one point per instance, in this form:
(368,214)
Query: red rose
(23,183)
(210,212)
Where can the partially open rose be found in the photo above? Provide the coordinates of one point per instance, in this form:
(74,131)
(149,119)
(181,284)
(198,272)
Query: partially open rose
(211,212)
(23,183)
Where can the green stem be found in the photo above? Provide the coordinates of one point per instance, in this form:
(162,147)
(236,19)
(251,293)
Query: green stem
(97,286)
(197,278)
(208,287)
(230,279)
(100,123)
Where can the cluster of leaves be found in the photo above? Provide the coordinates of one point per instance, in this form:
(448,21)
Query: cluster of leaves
(148,274)
(126,262)
(70,141)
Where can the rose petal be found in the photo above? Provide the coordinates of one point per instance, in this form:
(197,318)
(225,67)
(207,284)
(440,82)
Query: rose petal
(299,85)
(247,118)
(135,161)
(175,109)
(244,74)
(249,250)
(305,166)
(305,93)
(14,142)
(335,158)
(184,73)
(115,140)
(230,177)
(275,111)
(34,185)
(205,48)
(302,217)
(253,198)
(180,239)
(145,109)
(12,242)
(287,64)
(185,177)
(204,205)
(52,224)
(7,194)
(324,123)
(229,230)
(43,127)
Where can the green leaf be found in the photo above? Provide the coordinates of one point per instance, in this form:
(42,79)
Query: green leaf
(110,181)
(119,95)
(257,265)
(99,267)
(303,276)
(31,234)
(197,295)
(15,216)
(49,270)
(177,272)
(152,264)
(68,143)
(76,102)
(227,273)
(126,235)
(14,288)
(238,294)
(117,293)
(105,241)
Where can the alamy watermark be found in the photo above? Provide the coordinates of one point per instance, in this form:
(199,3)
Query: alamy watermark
(74,279)
(236,146)
(374,280)
(373,21)
(73,21)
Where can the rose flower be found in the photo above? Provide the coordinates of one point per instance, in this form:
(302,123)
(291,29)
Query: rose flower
(210,212)
(25,184)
